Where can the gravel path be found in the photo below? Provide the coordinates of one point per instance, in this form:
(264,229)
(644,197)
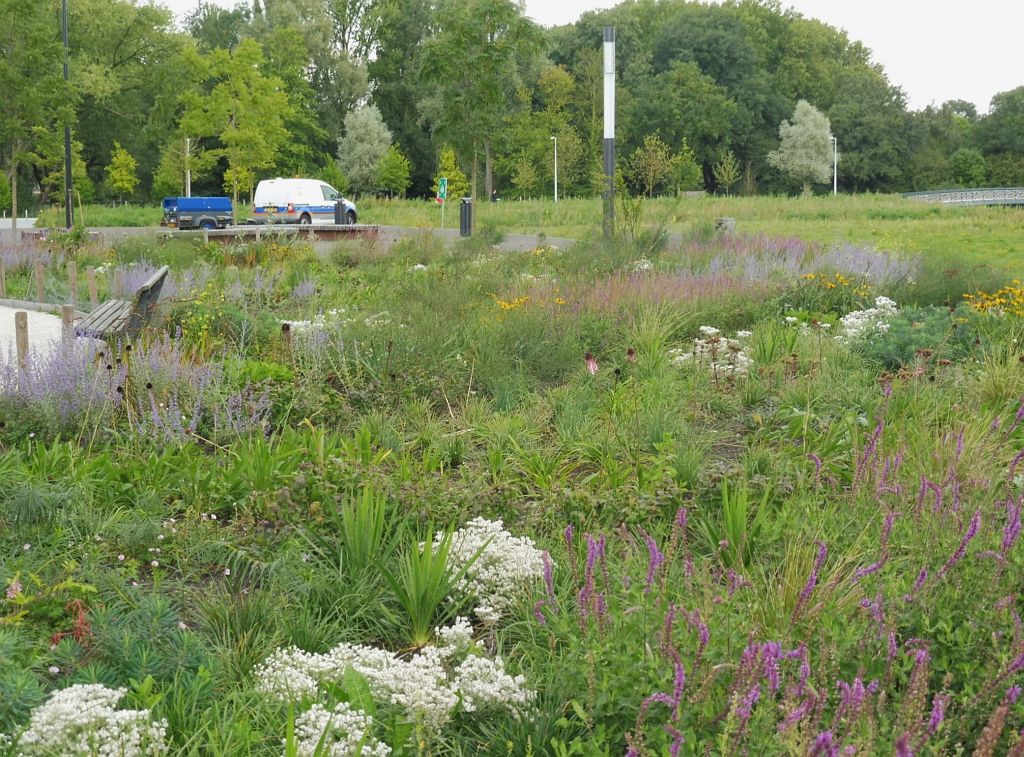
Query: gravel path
(44,332)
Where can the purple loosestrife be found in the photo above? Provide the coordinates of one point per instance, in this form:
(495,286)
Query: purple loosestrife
(922,576)
(1014,463)
(824,746)
(591,603)
(1011,532)
(655,559)
(939,705)
(869,452)
(817,468)
(969,534)
(852,698)
(812,581)
(902,746)
(549,579)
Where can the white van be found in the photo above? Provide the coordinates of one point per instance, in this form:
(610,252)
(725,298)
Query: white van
(298,201)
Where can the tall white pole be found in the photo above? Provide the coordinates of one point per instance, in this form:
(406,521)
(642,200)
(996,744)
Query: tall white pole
(188,169)
(835,166)
(609,133)
(555,140)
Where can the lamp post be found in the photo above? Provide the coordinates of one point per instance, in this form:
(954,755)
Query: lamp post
(69,211)
(835,166)
(555,140)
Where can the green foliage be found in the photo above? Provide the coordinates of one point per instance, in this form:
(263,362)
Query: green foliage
(423,583)
(121,172)
(727,171)
(651,164)
(244,109)
(805,146)
(362,150)
(395,172)
(968,167)
(458,184)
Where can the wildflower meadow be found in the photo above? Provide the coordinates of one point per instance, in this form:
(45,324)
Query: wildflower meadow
(684,494)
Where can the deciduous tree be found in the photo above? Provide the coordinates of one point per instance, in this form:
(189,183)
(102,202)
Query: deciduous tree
(122,178)
(805,147)
(363,147)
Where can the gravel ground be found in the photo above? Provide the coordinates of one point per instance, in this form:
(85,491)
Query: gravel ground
(44,332)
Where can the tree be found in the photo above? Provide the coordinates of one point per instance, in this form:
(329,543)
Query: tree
(471,65)
(395,172)
(969,169)
(121,172)
(651,164)
(47,159)
(449,169)
(805,149)
(244,109)
(727,171)
(363,147)
(32,87)
(686,173)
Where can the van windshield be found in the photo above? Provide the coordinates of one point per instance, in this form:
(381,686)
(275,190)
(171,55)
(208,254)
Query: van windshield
(330,193)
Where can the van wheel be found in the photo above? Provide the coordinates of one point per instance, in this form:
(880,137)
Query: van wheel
(350,217)
(305,220)
(207,225)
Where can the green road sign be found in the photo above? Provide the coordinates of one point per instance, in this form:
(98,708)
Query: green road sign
(442,188)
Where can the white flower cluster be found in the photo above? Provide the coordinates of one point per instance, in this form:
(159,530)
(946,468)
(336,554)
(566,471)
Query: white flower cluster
(341,732)
(723,356)
(483,683)
(382,318)
(81,720)
(871,321)
(321,322)
(503,568)
(643,265)
(427,687)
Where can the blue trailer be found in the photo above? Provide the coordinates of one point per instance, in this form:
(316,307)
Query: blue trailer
(197,212)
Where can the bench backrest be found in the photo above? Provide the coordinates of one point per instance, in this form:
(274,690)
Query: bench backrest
(146,299)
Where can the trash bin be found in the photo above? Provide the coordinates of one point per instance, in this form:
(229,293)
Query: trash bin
(339,212)
(466,217)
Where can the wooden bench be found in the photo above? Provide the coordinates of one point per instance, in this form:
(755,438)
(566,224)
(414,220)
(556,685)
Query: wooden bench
(116,318)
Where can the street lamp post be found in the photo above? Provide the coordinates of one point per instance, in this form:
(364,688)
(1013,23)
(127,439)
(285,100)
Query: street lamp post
(69,211)
(835,166)
(555,140)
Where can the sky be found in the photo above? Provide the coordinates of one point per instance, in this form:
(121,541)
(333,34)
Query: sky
(934,50)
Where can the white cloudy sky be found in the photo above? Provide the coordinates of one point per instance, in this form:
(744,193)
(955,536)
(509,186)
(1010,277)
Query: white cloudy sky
(936,50)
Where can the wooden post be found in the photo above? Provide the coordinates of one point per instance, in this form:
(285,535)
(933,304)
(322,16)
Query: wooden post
(3,281)
(312,236)
(73,281)
(94,295)
(40,282)
(206,236)
(67,317)
(119,284)
(21,337)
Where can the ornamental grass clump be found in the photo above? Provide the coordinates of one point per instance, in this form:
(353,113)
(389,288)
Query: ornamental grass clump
(83,720)
(502,568)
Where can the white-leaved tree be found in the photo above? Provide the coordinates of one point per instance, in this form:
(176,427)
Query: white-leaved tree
(362,149)
(805,149)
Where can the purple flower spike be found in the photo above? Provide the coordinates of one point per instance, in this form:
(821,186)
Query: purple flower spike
(812,580)
(824,746)
(939,705)
(969,534)
(655,559)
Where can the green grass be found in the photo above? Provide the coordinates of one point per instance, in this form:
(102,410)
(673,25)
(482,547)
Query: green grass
(968,235)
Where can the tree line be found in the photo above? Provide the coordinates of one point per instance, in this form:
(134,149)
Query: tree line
(383,96)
